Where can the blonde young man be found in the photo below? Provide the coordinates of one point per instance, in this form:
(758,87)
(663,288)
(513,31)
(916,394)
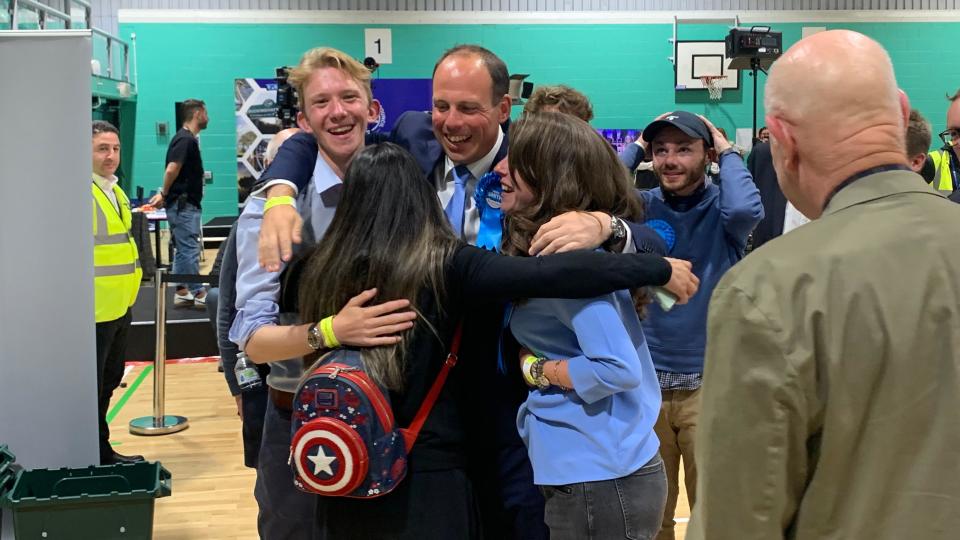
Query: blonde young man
(830,392)
(336,104)
(116,276)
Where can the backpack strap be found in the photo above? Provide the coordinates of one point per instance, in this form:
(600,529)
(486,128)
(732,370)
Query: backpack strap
(410,434)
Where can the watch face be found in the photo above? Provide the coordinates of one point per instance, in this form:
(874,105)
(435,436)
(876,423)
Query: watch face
(313,338)
(617,229)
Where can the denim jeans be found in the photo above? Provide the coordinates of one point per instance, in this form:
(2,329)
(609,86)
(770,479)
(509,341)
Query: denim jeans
(630,507)
(184,221)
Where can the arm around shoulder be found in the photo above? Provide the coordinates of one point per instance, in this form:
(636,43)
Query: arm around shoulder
(294,162)
(484,276)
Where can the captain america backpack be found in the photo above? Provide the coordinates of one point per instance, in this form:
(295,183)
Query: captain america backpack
(345,440)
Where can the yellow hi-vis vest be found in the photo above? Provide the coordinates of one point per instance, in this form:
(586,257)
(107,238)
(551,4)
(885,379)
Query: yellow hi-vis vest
(942,178)
(116,262)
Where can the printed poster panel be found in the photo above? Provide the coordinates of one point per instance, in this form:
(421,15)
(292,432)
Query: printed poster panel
(255,102)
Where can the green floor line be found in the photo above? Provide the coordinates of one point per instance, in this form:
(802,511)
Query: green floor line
(126,395)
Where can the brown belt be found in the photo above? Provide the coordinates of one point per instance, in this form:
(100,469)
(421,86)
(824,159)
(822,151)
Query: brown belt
(282,400)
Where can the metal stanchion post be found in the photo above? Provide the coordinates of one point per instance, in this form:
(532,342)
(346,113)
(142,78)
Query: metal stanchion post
(159,423)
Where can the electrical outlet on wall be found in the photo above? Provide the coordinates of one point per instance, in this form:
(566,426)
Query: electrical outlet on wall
(207,177)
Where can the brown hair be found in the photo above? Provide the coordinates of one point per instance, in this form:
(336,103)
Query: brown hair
(499,76)
(102,126)
(190,107)
(919,136)
(389,232)
(565,99)
(568,167)
(322,57)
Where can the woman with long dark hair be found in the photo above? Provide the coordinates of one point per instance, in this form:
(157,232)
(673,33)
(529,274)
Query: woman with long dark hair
(390,233)
(588,419)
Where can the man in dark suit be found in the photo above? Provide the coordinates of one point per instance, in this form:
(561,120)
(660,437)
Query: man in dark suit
(456,145)
(760,165)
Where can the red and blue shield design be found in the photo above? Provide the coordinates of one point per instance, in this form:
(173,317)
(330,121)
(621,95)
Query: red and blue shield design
(329,456)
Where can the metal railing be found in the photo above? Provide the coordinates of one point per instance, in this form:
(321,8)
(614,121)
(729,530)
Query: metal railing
(46,13)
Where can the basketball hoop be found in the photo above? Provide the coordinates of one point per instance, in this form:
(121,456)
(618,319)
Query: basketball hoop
(714,85)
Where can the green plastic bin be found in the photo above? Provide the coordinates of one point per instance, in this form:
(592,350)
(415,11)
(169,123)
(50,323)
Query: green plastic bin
(112,502)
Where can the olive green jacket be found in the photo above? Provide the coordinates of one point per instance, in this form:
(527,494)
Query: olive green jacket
(831,393)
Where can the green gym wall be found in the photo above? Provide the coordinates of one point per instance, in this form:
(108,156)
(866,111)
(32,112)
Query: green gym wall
(623,68)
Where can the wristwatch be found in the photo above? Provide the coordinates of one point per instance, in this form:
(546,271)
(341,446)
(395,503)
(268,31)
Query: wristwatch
(731,150)
(536,372)
(618,231)
(314,337)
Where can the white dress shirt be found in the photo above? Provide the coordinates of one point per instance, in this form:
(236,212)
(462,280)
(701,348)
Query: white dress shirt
(106,186)
(443,177)
(792,218)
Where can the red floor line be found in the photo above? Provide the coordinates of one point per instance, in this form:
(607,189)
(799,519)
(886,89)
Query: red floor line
(193,360)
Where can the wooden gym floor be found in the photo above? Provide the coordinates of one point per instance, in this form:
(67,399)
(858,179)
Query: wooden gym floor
(212,490)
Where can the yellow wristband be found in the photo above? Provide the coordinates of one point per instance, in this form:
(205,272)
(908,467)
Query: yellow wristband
(278,201)
(528,362)
(326,330)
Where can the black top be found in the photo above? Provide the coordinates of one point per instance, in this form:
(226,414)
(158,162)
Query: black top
(760,165)
(477,283)
(184,150)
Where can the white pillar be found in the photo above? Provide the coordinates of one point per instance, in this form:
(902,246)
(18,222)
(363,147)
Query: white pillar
(48,389)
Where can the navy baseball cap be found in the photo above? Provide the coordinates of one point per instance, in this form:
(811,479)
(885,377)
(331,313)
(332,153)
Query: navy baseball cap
(688,123)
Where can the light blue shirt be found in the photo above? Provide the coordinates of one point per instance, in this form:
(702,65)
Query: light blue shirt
(603,428)
(258,291)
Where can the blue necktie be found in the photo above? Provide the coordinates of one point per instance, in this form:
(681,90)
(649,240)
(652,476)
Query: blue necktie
(455,208)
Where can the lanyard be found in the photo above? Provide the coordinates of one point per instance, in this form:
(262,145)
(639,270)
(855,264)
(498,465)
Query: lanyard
(863,174)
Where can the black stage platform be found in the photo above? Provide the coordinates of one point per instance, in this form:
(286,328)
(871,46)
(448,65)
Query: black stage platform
(189,332)
(216,231)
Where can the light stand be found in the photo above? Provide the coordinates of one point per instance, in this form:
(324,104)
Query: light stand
(754,68)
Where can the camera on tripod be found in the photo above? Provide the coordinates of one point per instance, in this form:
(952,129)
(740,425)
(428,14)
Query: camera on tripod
(753,48)
(286,100)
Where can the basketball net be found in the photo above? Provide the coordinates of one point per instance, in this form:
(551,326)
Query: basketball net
(714,85)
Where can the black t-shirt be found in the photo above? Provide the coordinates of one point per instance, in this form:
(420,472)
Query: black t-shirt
(184,149)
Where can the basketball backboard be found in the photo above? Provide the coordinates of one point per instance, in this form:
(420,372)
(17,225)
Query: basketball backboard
(695,59)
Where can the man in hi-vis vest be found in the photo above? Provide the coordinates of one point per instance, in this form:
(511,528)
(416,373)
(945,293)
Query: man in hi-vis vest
(946,160)
(116,270)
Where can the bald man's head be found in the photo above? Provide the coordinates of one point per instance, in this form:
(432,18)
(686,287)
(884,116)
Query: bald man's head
(833,109)
(274,145)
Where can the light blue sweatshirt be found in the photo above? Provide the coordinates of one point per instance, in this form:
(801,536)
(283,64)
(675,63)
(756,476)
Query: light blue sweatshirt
(603,428)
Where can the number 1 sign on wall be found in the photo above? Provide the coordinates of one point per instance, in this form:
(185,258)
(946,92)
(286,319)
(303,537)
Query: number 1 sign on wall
(378,45)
